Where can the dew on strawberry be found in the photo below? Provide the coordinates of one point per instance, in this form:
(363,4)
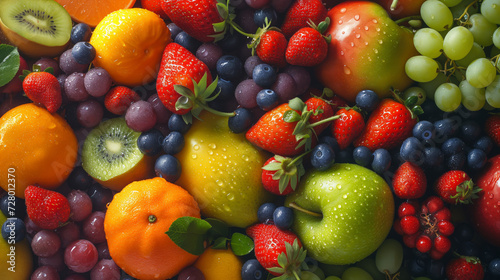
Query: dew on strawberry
(440,170)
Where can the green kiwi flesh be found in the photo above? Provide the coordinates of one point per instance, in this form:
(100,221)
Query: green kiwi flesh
(110,150)
(44,22)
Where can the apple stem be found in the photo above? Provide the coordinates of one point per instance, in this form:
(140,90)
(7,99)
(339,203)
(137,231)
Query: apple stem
(297,207)
(394,4)
(405,19)
(296,275)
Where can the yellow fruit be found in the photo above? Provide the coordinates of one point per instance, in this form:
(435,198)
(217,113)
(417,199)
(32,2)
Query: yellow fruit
(36,147)
(129,44)
(222,170)
(218,264)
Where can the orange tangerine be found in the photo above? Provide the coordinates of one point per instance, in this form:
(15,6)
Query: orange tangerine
(129,44)
(36,147)
(135,225)
(92,12)
(216,264)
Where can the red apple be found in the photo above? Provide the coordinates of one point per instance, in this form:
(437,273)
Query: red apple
(402,8)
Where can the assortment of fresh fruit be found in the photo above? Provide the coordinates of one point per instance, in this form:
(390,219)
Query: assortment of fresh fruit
(250,139)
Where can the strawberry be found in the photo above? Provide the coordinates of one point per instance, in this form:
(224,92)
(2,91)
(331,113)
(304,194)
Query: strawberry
(155,7)
(119,98)
(324,113)
(270,47)
(195,17)
(299,14)
(47,209)
(280,175)
(492,128)
(409,181)
(455,187)
(462,268)
(307,47)
(43,88)
(388,125)
(348,127)
(278,251)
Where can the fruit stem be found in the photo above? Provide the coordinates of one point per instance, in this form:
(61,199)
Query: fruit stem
(213,111)
(297,207)
(405,19)
(332,118)
(152,218)
(394,4)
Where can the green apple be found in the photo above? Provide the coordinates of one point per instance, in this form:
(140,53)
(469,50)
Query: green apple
(342,214)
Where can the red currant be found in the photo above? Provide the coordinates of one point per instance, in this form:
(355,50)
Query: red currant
(406,209)
(442,243)
(410,225)
(445,227)
(424,243)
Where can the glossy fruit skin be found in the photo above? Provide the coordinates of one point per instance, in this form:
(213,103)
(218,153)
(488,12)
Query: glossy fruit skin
(306,47)
(461,268)
(272,48)
(492,128)
(47,209)
(299,13)
(485,210)
(404,8)
(355,236)
(410,181)
(43,88)
(375,66)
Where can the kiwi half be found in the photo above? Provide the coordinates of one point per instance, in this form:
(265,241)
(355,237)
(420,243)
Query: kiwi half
(110,155)
(37,28)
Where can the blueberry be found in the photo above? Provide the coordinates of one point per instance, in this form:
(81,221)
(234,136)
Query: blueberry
(433,157)
(265,212)
(267,99)
(283,217)
(484,143)
(188,42)
(177,123)
(367,100)
(476,159)
(432,112)
(264,75)
(226,89)
(173,143)
(344,155)
(149,142)
(453,146)
(83,52)
(241,121)
(168,167)
(80,32)
(260,16)
(456,161)
(470,131)
(445,129)
(494,267)
(423,130)
(253,270)
(435,269)
(100,197)
(13,206)
(362,156)
(412,150)
(330,141)
(230,67)
(417,267)
(79,179)
(381,160)
(463,232)
(174,30)
(13,229)
(231,41)
(468,248)
(322,157)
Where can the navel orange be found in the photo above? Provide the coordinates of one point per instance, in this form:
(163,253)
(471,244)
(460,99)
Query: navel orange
(92,12)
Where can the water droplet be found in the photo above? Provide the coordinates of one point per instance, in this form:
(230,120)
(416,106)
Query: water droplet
(343,10)
(380,42)
(358,36)
(193,156)
(212,146)
(375,51)
(366,28)
(374,21)
(491,196)
(340,22)
(356,17)
(339,186)
(196,147)
(230,196)
(341,52)
(344,196)
(352,44)
(347,70)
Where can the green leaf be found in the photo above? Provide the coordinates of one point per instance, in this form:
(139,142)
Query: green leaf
(241,244)
(291,116)
(220,243)
(190,234)
(9,63)
(296,104)
(219,228)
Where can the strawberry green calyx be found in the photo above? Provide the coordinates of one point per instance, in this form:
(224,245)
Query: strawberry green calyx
(467,191)
(227,13)
(288,170)
(36,68)
(291,262)
(410,103)
(321,28)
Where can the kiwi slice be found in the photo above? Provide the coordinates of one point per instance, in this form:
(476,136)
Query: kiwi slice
(110,155)
(45,22)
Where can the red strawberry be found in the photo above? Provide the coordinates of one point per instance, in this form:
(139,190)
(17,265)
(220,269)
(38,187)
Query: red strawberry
(322,111)
(307,47)
(270,242)
(119,98)
(195,17)
(455,187)
(387,126)
(280,175)
(409,181)
(271,47)
(155,7)
(299,14)
(47,209)
(492,128)
(469,268)
(43,88)
(348,127)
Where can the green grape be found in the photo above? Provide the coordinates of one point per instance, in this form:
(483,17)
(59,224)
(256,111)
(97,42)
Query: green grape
(496,38)
(492,93)
(473,98)
(369,265)
(389,256)
(415,91)
(491,10)
(482,30)
(451,3)
(421,68)
(430,87)
(436,15)
(448,97)
(428,42)
(356,273)
(475,52)
(308,275)
(332,278)
(480,73)
(458,42)
(459,9)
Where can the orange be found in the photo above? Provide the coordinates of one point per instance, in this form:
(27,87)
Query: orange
(36,147)
(218,264)
(92,12)
(129,44)
(135,225)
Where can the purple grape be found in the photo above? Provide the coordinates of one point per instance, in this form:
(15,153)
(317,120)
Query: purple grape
(141,116)
(69,65)
(105,269)
(45,273)
(100,197)
(80,205)
(174,30)
(89,113)
(56,261)
(281,5)
(103,251)
(285,87)
(31,227)
(250,64)
(93,228)
(80,256)
(75,277)
(301,76)
(45,243)
(74,87)
(257,4)
(46,62)
(191,273)
(162,113)
(97,82)
(244,19)
(68,234)
(246,93)
(209,53)
(61,79)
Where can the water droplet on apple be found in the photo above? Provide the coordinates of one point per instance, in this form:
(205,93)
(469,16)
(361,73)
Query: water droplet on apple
(344,196)
(375,51)
(193,156)
(347,70)
(340,22)
(343,10)
(380,42)
(358,36)
(356,17)
(339,186)
(210,152)
(366,27)
(374,20)
(230,196)
(341,52)
(352,44)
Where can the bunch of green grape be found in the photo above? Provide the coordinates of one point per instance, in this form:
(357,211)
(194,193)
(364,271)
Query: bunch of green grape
(459,47)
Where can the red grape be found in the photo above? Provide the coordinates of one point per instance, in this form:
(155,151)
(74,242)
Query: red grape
(80,256)
(45,243)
